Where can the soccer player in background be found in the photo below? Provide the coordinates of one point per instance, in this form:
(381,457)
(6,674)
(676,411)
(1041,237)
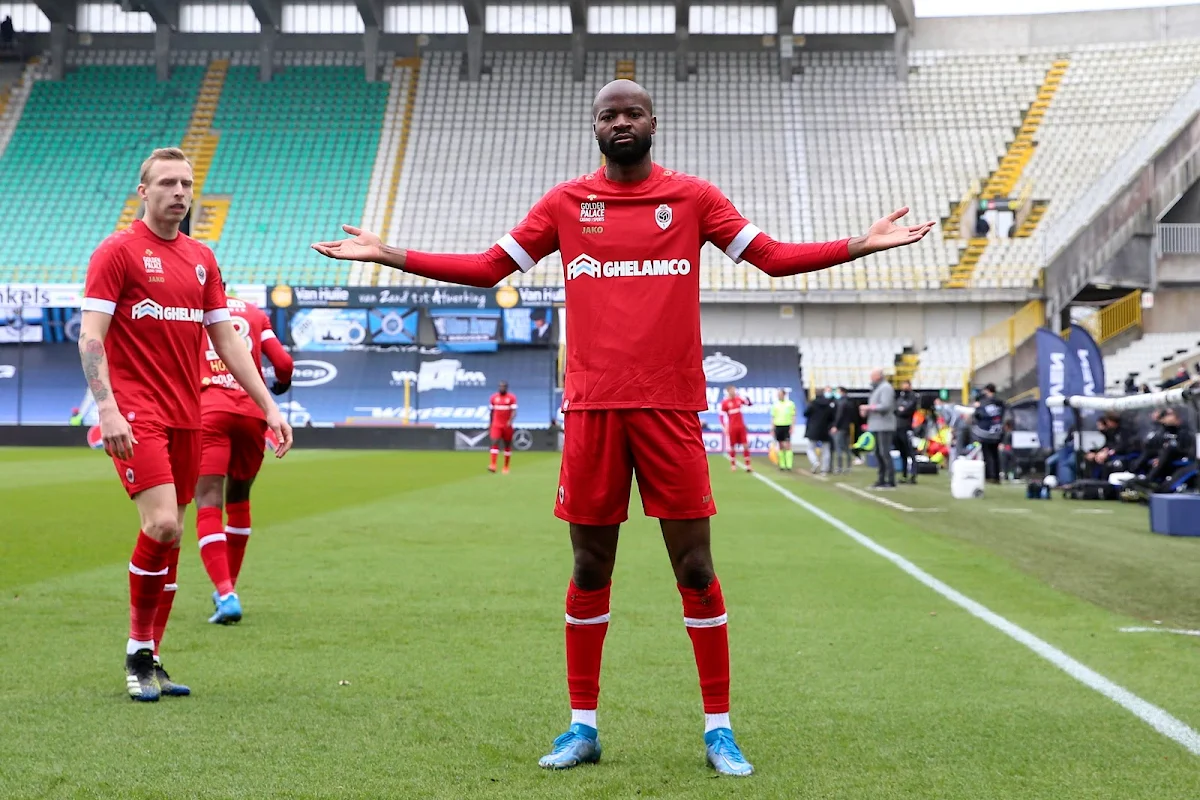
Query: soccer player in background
(232,438)
(634,379)
(735,425)
(783,417)
(503,405)
(149,295)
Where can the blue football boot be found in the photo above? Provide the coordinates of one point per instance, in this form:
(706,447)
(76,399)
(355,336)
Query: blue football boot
(579,745)
(168,687)
(140,680)
(229,610)
(724,755)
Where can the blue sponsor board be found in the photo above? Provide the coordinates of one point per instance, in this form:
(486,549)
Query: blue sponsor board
(396,325)
(466,330)
(40,384)
(758,373)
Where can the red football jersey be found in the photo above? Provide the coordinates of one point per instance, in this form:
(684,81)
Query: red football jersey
(503,407)
(731,407)
(631,258)
(160,293)
(220,391)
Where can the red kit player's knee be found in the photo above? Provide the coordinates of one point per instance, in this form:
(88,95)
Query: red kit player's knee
(163,526)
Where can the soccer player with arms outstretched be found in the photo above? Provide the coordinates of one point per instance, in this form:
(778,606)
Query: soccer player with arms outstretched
(232,438)
(150,294)
(630,237)
(735,426)
(503,405)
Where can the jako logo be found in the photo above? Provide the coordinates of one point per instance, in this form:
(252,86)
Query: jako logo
(584,264)
(313,373)
(720,368)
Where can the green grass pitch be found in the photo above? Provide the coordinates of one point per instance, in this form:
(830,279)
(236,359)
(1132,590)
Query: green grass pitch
(436,591)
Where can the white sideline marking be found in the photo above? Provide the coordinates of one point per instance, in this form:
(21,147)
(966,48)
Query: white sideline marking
(1152,715)
(1092,511)
(889,503)
(1179,631)
(1010,511)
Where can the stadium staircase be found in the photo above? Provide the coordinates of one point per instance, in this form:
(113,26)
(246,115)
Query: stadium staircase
(393,153)
(16,81)
(906,367)
(1003,181)
(200,143)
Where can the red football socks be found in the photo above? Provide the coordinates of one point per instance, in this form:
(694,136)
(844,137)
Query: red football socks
(507,457)
(166,598)
(213,549)
(494,453)
(147,576)
(704,616)
(237,536)
(587,622)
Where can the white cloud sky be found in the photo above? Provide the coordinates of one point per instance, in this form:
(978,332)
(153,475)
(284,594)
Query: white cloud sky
(965,8)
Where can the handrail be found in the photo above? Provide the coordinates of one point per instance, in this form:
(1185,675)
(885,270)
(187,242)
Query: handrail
(1178,237)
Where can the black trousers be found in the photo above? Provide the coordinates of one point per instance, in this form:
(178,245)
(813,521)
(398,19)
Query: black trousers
(903,443)
(883,454)
(991,460)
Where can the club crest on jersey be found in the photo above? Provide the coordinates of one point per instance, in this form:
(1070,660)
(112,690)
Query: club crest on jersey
(663,216)
(129,475)
(201,273)
(591,211)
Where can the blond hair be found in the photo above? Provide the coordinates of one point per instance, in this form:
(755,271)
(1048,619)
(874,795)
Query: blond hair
(162,154)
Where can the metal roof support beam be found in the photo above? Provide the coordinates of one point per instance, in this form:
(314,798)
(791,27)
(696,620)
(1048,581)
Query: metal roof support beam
(578,39)
(903,13)
(58,11)
(266,53)
(787,58)
(682,14)
(474,11)
(269,14)
(163,12)
(58,50)
(900,48)
(162,51)
(371,52)
(371,12)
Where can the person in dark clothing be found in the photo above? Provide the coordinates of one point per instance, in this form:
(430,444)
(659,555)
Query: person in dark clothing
(820,413)
(988,430)
(1145,388)
(843,420)
(1181,376)
(1170,444)
(1119,441)
(1130,385)
(907,403)
(7,32)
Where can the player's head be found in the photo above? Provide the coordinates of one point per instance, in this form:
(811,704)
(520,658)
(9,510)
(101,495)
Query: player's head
(906,386)
(503,387)
(165,186)
(623,121)
(731,391)
(782,393)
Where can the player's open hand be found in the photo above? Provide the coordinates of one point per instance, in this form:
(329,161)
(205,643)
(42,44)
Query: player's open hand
(282,430)
(117,435)
(886,234)
(364,246)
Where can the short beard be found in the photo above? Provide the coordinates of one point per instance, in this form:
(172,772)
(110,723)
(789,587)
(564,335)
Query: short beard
(626,155)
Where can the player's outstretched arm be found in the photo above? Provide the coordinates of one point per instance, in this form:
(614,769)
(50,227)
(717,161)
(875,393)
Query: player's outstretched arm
(114,428)
(482,270)
(233,352)
(778,259)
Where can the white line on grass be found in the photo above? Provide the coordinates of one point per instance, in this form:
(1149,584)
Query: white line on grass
(1179,631)
(889,503)
(1152,715)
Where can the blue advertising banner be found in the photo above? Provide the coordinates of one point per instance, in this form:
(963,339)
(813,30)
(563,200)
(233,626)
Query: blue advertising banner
(1091,371)
(528,325)
(328,329)
(1056,371)
(41,384)
(758,373)
(393,325)
(467,331)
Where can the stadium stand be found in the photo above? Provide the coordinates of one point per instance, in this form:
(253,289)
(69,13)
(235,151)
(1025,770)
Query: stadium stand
(945,362)
(847,361)
(1145,358)
(84,136)
(294,158)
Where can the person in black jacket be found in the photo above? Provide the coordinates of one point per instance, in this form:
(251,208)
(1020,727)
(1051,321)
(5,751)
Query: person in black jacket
(843,419)
(818,430)
(1170,443)
(907,403)
(988,430)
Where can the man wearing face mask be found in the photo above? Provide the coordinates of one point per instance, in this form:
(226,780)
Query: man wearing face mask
(907,403)
(843,418)
(820,414)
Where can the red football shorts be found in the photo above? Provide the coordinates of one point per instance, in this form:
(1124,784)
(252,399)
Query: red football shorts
(162,456)
(502,433)
(737,436)
(604,449)
(233,445)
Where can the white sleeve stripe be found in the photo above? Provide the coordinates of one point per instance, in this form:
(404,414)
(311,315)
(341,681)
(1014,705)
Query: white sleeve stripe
(266,335)
(216,315)
(96,304)
(742,241)
(510,245)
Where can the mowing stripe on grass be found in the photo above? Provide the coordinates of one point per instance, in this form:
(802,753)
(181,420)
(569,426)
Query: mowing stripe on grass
(1152,715)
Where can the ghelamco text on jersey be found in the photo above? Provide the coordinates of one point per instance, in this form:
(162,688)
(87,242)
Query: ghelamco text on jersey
(586,265)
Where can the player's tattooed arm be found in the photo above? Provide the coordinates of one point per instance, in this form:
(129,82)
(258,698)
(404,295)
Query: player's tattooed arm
(93,329)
